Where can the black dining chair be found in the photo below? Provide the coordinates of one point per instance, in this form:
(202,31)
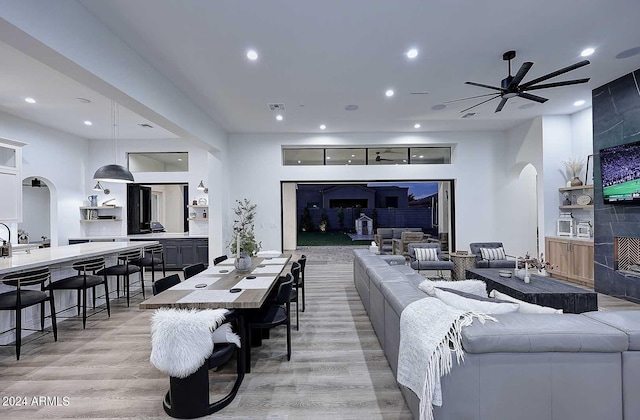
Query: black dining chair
(193,269)
(153,257)
(85,279)
(295,295)
(303,263)
(165,283)
(17,300)
(275,314)
(218,260)
(125,268)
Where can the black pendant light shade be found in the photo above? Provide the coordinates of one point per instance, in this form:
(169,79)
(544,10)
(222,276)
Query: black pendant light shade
(113,173)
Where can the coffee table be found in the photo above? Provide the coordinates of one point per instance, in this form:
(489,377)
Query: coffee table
(543,291)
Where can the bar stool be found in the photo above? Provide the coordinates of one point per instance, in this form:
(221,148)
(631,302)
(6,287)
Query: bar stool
(153,256)
(86,278)
(18,299)
(125,268)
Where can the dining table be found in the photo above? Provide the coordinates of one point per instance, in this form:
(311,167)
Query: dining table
(221,286)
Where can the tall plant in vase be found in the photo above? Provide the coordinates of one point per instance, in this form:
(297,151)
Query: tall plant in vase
(244,241)
(574,167)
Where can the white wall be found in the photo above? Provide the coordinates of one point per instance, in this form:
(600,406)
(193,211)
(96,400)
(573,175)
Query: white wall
(59,159)
(257,171)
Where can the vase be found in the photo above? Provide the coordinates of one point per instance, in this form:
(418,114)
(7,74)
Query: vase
(242,262)
(543,272)
(575,182)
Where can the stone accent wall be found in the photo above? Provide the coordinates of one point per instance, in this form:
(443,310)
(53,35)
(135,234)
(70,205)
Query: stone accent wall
(616,120)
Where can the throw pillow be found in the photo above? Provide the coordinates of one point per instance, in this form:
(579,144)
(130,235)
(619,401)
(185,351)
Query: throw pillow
(426,254)
(475,287)
(525,307)
(224,334)
(493,253)
(465,304)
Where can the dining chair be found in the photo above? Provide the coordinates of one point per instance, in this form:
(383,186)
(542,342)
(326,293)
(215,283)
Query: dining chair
(219,259)
(193,269)
(125,267)
(303,263)
(16,300)
(165,283)
(295,292)
(275,314)
(85,278)
(153,257)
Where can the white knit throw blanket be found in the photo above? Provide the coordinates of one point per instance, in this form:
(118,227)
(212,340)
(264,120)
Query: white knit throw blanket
(181,339)
(429,331)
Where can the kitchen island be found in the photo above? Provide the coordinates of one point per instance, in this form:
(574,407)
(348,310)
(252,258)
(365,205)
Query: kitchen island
(59,260)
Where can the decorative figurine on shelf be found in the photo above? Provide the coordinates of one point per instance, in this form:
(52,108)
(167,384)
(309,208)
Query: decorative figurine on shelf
(567,200)
(204,213)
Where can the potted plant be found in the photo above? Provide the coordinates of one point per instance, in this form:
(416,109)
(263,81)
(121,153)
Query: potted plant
(244,241)
(305,220)
(574,166)
(324,222)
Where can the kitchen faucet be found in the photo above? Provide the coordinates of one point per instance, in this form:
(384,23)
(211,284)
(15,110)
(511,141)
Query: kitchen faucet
(5,248)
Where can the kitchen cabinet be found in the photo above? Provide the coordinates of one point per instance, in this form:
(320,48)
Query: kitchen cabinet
(11,180)
(181,252)
(571,259)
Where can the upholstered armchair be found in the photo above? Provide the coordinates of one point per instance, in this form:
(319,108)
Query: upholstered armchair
(425,260)
(400,246)
(383,238)
(494,255)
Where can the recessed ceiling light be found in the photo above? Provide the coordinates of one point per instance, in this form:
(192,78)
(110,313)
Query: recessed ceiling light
(412,53)
(578,103)
(299,161)
(417,126)
(328,157)
(279,117)
(404,160)
(88,122)
(421,156)
(252,55)
(351,107)
(389,93)
(323,127)
(587,52)
(413,155)
(30,100)
(349,161)
(353,155)
(179,159)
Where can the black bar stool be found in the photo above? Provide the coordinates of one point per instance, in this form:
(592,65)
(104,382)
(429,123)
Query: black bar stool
(86,278)
(18,299)
(153,257)
(125,268)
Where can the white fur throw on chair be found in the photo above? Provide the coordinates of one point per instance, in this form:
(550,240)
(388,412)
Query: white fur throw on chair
(181,339)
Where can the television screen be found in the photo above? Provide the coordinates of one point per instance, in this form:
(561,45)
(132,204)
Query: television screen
(621,173)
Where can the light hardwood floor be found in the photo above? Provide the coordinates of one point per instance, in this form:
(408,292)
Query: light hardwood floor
(337,369)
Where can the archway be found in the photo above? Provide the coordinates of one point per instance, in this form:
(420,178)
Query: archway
(39,212)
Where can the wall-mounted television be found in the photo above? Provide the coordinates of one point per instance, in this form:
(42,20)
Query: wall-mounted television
(620,167)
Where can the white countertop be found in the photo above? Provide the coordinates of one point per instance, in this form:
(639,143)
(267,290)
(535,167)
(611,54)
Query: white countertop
(62,254)
(570,238)
(150,236)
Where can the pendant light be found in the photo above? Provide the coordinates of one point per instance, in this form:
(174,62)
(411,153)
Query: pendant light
(115,172)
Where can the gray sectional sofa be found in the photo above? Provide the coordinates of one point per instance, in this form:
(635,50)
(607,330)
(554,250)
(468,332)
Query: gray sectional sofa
(525,366)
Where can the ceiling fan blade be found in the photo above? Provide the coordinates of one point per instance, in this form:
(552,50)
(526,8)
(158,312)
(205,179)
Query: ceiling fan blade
(470,97)
(501,104)
(556,73)
(490,99)
(524,69)
(484,86)
(557,84)
(532,97)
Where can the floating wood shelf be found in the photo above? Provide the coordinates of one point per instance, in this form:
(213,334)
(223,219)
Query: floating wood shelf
(576,206)
(579,187)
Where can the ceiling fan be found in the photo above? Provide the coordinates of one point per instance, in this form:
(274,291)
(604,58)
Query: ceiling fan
(380,158)
(511,87)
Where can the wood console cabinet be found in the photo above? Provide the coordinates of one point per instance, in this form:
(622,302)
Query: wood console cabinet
(572,259)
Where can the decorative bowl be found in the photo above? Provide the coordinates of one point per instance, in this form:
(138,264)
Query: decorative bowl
(505,273)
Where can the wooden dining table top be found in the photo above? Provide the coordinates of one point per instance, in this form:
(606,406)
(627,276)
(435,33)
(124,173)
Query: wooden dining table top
(211,288)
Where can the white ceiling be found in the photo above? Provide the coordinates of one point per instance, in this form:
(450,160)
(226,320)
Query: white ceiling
(318,57)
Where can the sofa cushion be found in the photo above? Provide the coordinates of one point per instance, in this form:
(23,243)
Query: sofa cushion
(525,307)
(475,287)
(475,305)
(531,333)
(400,294)
(385,273)
(493,253)
(426,254)
(626,321)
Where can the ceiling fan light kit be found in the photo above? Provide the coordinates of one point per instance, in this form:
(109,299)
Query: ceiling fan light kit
(511,86)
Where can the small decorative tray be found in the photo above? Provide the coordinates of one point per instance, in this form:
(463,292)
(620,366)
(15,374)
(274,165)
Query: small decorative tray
(505,273)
